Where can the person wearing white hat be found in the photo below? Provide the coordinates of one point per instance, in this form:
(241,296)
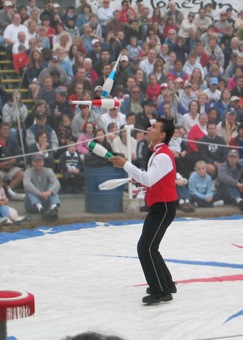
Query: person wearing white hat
(6,15)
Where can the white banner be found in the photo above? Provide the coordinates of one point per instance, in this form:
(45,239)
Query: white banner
(184,5)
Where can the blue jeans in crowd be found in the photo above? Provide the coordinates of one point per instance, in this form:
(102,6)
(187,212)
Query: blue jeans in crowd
(31,200)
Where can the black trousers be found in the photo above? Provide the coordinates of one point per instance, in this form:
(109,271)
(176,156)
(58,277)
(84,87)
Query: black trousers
(157,274)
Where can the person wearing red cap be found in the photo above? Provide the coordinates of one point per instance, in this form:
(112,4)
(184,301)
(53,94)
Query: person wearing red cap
(160,198)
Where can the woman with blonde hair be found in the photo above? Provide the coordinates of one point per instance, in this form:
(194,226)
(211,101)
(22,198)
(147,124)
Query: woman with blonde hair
(64,42)
(197,77)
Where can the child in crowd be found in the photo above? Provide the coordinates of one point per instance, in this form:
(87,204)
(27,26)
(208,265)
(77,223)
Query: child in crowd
(201,187)
(9,215)
(133,49)
(184,203)
(86,135)
(72,170)
(64,132)
(20,60)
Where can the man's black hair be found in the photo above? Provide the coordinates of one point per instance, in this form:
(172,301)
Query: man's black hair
(168,127)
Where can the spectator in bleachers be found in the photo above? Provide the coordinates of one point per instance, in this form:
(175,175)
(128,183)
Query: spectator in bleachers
(133,102)
(201,188)
(169,65)
(237,142)
(41,124)
(48,12)
(10,34)
(230,180)
(197,76)
(186,25)
(41,186)
(32,30)
(238,90)
(47,92)
(53,65)
(170,41)
(187,96)
(222,24)
(80,78)
(35,66)
(34,15)
(148,113)
(147,65)
(212,92)
(191,64)
(114,24)
(212,150)
(202,56)
(72,170)
(120,144)
(81,118)
(164,52)
(6,16)
(202,22)
(42,146)
(105,14)
(175,13)
(214,49)
(227,128)
(177,71)
(63,62)
(64,132)
(41,30)
(20,60)
(191,118)
(223,104)
(153,89)
(39,106)
(14,112)
(49,29)
(86,135)
(235,104)
(21,40)
(9,169)
(204,105)
(113,115)
(171,99)
(64,43)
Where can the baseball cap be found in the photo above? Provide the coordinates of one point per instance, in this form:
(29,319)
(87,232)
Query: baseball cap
(223,13)
(214,81)
(164,85)
(233,153)
(8,4)
(187,84)
(94,41)
(124,58)
(149,102)
(231,112)
(40,115)
(56,5)
(234,98)
(37,156)
(135,60)
(61,90)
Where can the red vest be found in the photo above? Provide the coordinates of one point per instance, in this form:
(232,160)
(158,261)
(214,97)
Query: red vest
(165,189)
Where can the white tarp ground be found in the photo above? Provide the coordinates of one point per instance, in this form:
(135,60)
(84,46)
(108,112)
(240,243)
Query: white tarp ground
(90,279)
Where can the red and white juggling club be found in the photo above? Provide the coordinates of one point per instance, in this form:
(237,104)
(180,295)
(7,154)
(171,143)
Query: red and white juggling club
(106,103)
(108,84)
(113,183)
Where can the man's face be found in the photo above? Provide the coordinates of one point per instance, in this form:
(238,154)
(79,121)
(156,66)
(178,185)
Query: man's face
(178,66)
(81,73)
(116,16)
(113,112)
(48,83)
(60,98)
(202,13)
(199,49)
(240,82)
(107,70)
(155,134)
(131,120)
(41,122)
(105,56)
(21,37)
(16,20)
(106,3)
(231,118)
(211,130)
(5,131)
(232,160)
(151,56)
(38,164)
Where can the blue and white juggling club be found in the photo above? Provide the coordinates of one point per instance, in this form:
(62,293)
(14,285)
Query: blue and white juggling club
(108,84)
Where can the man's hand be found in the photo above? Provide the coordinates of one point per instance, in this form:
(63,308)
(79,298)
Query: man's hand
(118,161)
(45,194)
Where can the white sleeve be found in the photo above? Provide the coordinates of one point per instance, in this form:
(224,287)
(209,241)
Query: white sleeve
(160,167)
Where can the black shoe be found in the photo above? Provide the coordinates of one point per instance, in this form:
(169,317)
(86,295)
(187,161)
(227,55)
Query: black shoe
(44,214)
(157,298)
(172,290)
(53,213)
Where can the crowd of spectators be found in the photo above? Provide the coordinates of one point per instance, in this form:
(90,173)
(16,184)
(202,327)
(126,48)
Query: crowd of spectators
(184,66)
